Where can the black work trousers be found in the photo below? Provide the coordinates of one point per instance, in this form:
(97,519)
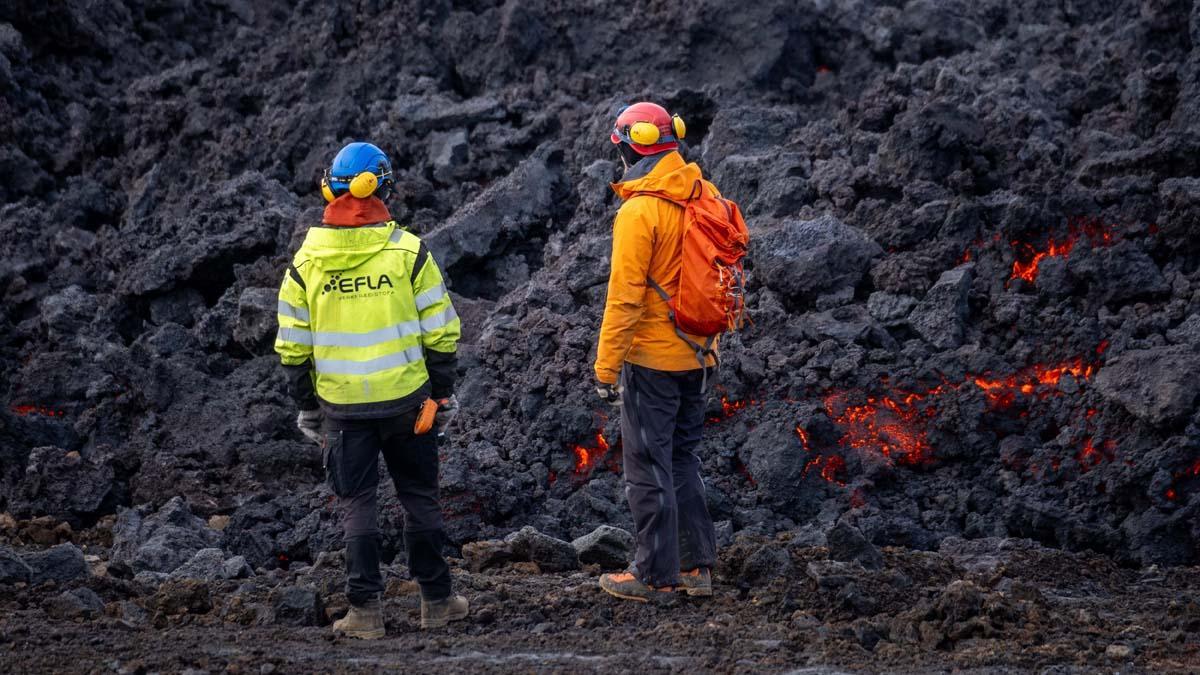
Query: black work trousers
(662,418)
(352,449)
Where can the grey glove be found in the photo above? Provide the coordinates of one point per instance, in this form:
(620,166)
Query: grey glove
(446,412)
(309,424)
(609,393)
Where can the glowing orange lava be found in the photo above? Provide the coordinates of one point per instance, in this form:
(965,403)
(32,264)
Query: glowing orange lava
(893,427)
(729,409)
(1090,455)
(1030,258)
(1192,471)
(1039,379)
(587,457)
(831,468)
(803,435)
(26,410)
(895,424)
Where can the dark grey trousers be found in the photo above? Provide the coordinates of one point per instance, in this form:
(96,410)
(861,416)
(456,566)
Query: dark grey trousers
(352,450)
(662,419)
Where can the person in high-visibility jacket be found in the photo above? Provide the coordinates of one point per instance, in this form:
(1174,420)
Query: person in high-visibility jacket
(367,335)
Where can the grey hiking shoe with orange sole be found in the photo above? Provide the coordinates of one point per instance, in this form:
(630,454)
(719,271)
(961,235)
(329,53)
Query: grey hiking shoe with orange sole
(696,583)
(628,587)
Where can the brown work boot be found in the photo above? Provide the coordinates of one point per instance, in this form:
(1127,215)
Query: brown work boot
(696,583)
(438,613)
(625,585)
(362,621)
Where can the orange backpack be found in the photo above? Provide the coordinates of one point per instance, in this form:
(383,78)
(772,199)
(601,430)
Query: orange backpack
(711,295)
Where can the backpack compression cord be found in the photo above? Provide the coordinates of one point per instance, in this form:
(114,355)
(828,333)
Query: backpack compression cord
(711,295)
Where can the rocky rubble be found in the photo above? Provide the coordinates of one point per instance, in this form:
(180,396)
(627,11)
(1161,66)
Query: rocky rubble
(779,602)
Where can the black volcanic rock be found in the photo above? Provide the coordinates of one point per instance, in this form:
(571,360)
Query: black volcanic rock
(65,485)
(847,544)
(161,173)
(60,563)
(940,317)
(79,603)
(12,568)
(552,555)
(801,259)
(296,606)
(162,541)
(1156,385)
(607,546)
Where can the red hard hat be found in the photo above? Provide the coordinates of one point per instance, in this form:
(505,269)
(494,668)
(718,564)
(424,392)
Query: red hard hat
(648,128)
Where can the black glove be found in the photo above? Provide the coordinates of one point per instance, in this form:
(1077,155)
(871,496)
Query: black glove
(609,393)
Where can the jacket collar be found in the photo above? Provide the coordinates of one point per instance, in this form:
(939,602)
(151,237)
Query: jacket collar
(643,167)
(665,174)
(350,211)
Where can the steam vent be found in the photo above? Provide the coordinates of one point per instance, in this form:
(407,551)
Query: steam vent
(958,432)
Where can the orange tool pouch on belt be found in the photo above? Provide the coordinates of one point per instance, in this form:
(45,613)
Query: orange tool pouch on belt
(425,418)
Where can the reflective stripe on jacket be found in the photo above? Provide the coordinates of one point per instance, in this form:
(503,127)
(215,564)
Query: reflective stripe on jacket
(647,242)
(365,305)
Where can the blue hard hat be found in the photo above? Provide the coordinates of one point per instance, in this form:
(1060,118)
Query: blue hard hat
(354,159)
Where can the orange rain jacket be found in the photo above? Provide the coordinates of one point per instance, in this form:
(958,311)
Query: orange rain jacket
(647,242)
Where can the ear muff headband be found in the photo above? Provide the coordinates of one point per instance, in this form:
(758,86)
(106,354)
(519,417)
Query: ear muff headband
(361,186)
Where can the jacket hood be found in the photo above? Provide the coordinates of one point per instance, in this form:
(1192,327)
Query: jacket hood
(343,248)
(668,175)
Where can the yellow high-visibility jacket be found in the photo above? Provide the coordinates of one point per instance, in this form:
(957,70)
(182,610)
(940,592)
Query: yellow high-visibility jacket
(362,312)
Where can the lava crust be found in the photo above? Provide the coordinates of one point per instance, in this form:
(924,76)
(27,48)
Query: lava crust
(974,281)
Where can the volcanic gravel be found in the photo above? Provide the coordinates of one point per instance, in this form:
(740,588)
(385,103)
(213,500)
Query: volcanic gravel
(970,378)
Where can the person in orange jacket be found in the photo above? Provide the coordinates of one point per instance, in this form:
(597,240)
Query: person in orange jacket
(645,367)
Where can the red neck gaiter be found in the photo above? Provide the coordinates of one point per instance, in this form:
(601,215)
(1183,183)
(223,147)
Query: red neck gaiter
(350,211)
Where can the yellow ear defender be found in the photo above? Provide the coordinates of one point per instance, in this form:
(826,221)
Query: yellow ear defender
(362,186)
(326,191)
(678,127)
(645,133)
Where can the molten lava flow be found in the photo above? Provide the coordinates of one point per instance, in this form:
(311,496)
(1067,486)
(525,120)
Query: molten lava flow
(1029,258)
(895,427)
(831,468)
(1090,455)
(1029,270)
(1039,379)
(587,457)
(729,409)
(895,424)
(26,410)
(803,436)
(834,466)
(1192,471)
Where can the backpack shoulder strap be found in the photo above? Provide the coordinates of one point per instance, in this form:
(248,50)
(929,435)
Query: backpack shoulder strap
(678,202)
